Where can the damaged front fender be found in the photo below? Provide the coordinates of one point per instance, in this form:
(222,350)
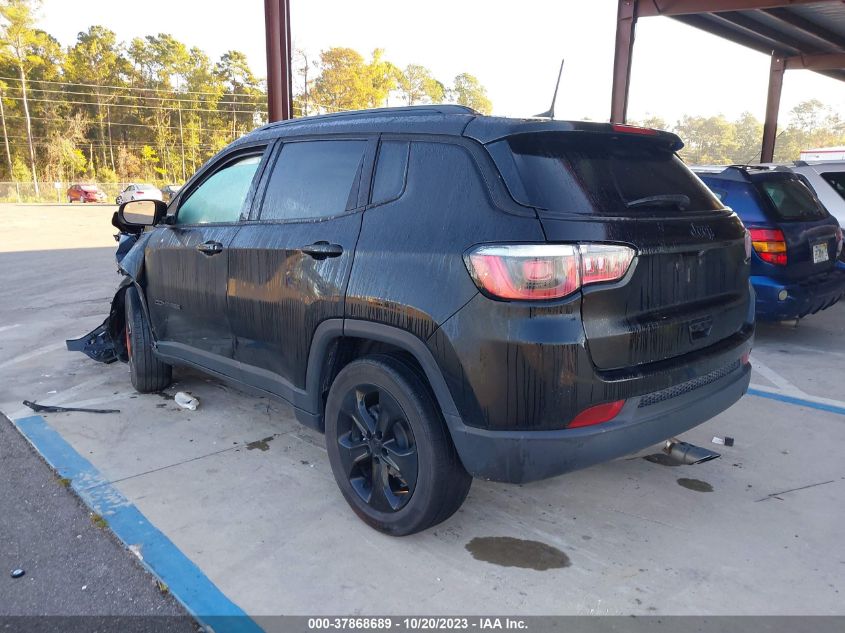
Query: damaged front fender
(97,344)
(105,343)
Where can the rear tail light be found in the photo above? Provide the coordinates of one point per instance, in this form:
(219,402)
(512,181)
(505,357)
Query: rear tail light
(596,415)
(770,245)
(838,241)
(545,271)
(748,246)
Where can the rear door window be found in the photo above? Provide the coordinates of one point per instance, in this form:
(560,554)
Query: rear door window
(562,174)
(221,197)
(790,199)
(314,179)
(836,180)
(391,168)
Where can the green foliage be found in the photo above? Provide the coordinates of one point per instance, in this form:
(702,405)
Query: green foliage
(20,172)
(155,109)
(418,86)
(343,83)
(104,174)
(468,91)
(717,141)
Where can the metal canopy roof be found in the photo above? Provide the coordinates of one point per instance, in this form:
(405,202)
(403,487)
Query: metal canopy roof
(811,34)
(798,34)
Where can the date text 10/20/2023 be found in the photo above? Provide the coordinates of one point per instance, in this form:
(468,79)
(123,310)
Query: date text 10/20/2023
(416,623)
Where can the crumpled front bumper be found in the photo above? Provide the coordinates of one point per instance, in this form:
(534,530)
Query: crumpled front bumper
(97,344)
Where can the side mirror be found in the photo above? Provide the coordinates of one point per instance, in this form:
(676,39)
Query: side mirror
(135,215)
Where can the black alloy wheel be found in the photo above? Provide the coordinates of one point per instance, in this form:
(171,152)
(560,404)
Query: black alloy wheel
(390,451)
(377,448)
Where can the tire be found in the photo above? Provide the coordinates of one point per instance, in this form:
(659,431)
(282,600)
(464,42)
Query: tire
(147,372)
(383,424)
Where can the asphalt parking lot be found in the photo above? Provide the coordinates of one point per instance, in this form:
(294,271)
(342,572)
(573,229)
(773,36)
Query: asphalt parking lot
(247,495)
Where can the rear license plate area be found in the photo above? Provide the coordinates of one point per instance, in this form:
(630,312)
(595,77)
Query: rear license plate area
(820,253)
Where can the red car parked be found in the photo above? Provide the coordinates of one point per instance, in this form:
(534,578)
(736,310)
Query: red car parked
(85,193)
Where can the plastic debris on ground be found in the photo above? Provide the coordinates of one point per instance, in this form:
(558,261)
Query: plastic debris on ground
(186,400)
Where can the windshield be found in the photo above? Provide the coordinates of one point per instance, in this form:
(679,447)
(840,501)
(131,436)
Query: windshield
(836,180)
(790,198)
(565,173)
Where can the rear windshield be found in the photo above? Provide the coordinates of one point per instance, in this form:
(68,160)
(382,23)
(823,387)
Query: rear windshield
(836,180)
(791,199)
(608,176)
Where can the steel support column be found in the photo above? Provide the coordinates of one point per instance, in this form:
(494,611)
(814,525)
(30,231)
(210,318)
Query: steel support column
(626,22)
(279,88)
(770,125)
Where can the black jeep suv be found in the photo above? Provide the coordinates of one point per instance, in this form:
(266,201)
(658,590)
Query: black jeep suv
(445,295)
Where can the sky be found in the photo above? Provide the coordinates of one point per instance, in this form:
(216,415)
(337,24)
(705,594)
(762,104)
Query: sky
(513,48)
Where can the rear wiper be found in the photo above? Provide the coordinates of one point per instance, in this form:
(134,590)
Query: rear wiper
(664,200)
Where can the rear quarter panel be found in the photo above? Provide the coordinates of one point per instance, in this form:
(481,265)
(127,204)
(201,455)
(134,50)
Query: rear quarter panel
(408,270)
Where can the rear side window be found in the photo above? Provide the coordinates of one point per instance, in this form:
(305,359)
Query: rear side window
(314,179)
(790,198)
(567,173)
(836,180)
(391,167)
(221,197)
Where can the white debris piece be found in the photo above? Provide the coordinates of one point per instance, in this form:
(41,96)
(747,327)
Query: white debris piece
(186,400)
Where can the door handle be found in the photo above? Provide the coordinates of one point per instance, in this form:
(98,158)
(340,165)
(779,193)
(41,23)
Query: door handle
(210,248)
(322,250)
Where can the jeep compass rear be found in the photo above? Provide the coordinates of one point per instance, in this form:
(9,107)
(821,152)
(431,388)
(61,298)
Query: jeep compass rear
(445,295)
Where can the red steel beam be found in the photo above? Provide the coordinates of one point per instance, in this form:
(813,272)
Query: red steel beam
(820,61)
(626,22)
(279,88)
(648,8)
(770,124)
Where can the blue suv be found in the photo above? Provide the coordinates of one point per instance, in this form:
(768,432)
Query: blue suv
(796,242)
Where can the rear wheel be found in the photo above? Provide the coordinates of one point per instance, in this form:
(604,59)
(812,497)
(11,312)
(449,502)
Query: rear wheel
(389,449)
(147,372)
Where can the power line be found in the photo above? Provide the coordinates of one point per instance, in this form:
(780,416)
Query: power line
(259,98)
(147,126)
(129,105)
(150,89)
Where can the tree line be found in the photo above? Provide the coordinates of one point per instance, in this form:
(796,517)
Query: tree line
(155,109)
(716,140)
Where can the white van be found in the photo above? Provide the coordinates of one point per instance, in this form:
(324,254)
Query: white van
(827,178)
(823,153)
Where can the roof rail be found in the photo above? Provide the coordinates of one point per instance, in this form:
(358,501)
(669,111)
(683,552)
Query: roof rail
(418,110)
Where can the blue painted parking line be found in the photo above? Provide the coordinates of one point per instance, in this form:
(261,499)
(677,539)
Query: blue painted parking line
(185,581)
(821,406)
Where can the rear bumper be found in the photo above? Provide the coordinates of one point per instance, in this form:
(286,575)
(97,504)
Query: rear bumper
(522,456)
(803,298)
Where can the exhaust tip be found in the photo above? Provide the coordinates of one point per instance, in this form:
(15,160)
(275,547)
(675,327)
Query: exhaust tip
(687,453)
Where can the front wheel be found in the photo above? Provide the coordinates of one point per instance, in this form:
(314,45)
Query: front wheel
(147,372)
(389,449)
